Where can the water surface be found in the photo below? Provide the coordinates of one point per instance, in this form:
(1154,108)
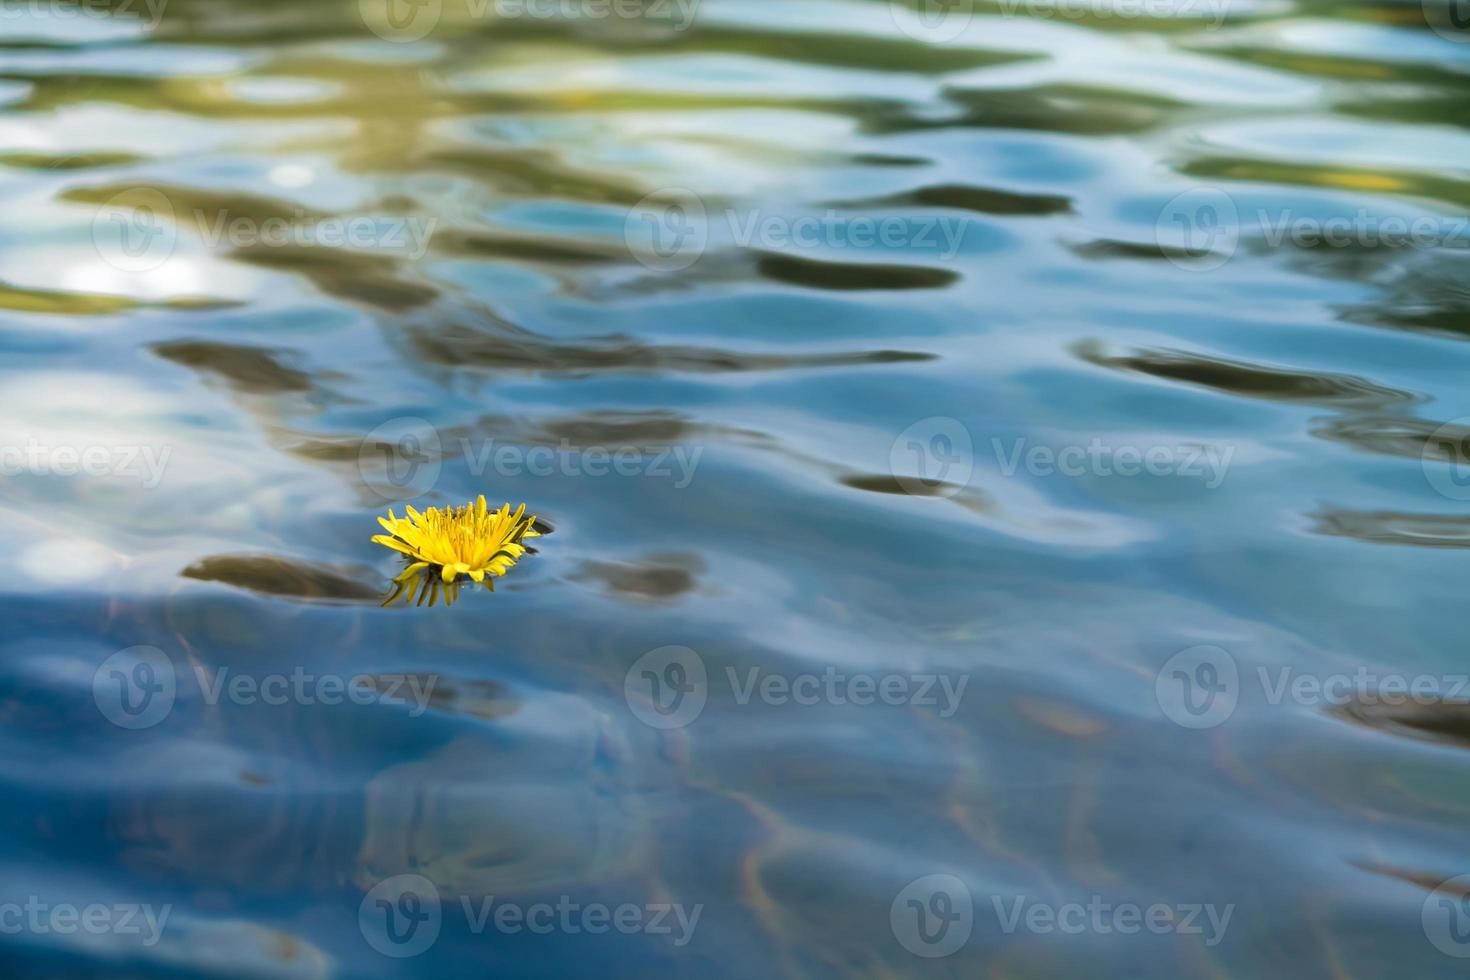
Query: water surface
(1103,363)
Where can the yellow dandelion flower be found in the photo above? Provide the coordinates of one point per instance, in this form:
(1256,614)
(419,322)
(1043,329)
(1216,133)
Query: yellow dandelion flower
(442,545)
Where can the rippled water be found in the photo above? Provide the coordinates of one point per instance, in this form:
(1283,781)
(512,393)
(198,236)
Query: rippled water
(1003,465)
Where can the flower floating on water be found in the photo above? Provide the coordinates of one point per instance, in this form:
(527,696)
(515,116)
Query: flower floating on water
(443,545)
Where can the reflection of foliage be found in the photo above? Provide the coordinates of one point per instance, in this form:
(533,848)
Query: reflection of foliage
(1428,296)
(1394,527)
(1342,391)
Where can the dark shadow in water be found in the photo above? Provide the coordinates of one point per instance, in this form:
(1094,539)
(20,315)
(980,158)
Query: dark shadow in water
(652,578)
(205,210)
(858,51)
(274,575)
(1431,295)
(1062,108)
(1407,182)
(910,487)
(850,276)
(1445,722)
(1399,436)
(653,428)
(1424,287)
(461,243)
(1396,527)
(964,197)
(68,303)
(1428,880)
(476,699)
(69,161)
(495,344)
(1340,391)
(1112,248)
(349,275)
(251,370)
(523,172)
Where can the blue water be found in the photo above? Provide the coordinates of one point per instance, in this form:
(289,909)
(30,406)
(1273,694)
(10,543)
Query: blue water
(1002,467)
